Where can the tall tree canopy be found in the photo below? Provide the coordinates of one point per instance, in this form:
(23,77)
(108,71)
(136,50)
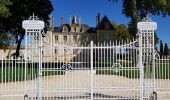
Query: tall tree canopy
(138,9)
(166,50)
(161,52)
(4,13)
(20,10)
(122,31)
(4,8)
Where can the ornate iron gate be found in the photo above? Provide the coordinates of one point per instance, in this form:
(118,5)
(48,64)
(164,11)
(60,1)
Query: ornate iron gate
(92,71)
(118,70)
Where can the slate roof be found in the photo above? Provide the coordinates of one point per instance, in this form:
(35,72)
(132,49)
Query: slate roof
(68,26)
(105,24)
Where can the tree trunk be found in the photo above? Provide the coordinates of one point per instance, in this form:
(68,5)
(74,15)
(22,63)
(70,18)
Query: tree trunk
(134,18)
(134,29)
(19,45)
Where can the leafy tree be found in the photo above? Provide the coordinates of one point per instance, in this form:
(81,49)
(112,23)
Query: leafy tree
(156,48)
(161,48)
(139,9)
(21,10)
(122,31)
(114,24)
(130,10)
(166,51)
(4,10)
(156,38)
(5,39)
(4,13)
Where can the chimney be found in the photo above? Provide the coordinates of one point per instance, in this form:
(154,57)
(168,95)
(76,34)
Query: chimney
(97,20)
(61,21)
(70,20)
(52,23)
(75,20)
(79,20)
(97,23)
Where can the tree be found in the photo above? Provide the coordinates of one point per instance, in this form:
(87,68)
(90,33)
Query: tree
(166,51)
(4,13)
(161,48)
(122,31)
(156,39)
(5,40)
(156,48)
(21,10)
(4,10)
(114,24)
(139,9)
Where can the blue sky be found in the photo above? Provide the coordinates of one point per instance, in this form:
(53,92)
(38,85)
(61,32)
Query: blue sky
(88,10)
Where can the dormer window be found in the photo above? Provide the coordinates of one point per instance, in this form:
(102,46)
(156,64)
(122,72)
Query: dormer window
(65,29)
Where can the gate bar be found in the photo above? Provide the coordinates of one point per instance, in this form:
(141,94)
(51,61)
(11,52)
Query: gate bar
(141,67)
(91,69)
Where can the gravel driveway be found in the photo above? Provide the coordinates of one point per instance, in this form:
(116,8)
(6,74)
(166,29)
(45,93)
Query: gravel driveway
(75,85)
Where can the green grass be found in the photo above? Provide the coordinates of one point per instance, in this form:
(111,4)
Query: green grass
(106,68)
(17,72)
(124,73)
(8,74)
(162,71)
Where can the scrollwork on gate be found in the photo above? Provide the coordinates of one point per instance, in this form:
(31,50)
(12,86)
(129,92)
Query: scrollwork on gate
(137,44)
(116,67)
(156,55)
(66,66)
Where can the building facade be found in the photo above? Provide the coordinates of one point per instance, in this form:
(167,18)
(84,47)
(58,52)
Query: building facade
(63,39)
(77,33)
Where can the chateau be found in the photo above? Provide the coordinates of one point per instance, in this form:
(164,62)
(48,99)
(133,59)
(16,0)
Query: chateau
(77,33)
(74,33)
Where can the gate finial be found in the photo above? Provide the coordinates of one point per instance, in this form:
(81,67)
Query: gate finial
(33,17)
(147,19)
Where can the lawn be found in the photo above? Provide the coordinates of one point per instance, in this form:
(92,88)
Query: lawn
(11,72)
(162,70)
(16,72)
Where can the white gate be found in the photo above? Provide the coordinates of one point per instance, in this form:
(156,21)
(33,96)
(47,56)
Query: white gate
(123,70)
(115,70)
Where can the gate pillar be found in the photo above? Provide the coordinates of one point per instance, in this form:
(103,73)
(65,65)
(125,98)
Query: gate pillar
(146,58)
(33,39)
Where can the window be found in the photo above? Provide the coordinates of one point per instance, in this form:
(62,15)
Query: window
(56,38)
(75,38)
(65,38)
(65,29)
(55,51)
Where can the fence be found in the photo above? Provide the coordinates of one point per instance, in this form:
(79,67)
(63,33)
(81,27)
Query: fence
(115,71)
(120,70)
